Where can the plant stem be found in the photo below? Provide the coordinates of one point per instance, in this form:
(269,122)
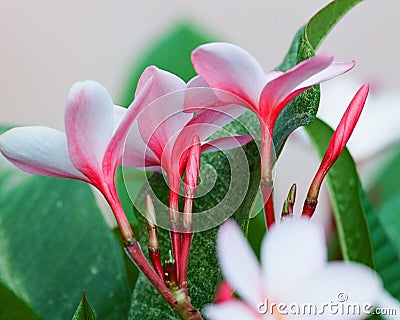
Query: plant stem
(175,225)
(153,246)
(135,253)
(266,184)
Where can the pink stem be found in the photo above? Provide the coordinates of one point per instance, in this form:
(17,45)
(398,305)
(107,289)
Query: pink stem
(175,226)
(191,181)
(135,253)
(266,184)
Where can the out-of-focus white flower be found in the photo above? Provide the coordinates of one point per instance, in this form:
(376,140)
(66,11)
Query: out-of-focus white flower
(294,280)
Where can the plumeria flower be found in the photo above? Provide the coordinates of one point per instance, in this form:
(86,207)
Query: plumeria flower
(228,67)
(293,276)
(91,147)
(162,135)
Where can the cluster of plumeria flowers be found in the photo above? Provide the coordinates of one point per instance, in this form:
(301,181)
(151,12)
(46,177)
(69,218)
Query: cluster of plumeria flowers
(170,137)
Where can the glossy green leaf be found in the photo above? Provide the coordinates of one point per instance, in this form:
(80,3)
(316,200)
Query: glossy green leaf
(345,191)
(385,184)
(384,224)
(303,109)
(55,243)
(84,310)
(11,307)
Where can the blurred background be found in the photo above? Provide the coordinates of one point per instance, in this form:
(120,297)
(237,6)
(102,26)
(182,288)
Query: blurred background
(46,46)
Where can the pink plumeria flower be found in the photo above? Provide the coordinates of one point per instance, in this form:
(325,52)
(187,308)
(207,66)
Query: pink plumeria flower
(163,133)
(293,272)
(228,67)
(161,138)
(231,69)
(90,149)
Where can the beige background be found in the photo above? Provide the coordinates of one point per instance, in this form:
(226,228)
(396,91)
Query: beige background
(48,45)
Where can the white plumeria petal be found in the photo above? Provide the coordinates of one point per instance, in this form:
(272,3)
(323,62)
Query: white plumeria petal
(389,306)
(349,288)
(39,150)
(292,251)
(232,310)
(119,113)
(89,120)
(239,264)
(136,153)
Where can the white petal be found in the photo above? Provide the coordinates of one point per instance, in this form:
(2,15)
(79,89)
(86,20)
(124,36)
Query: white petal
(230,310)
(291,251)
(239,264)
(340,290)
(39,150)
(119,113)
(389,306)
(136,153)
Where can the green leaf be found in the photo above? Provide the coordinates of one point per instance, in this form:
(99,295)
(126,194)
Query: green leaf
(345,190)
(54,243)
(386,182)
(203,271)
(172,53)
(385,234)
(14,308)
(84,310)
(303,109)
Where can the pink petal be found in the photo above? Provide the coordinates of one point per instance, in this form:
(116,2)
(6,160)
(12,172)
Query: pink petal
(114,150)
(89,121)
(226,143)
(278,92)
(204,124)
(160,123)
(333,70)
(208,121)
(39,150)
(228,67)
(232,310)
(164,83)
(292,250)
(199,96)
(344,284)
(239,264)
